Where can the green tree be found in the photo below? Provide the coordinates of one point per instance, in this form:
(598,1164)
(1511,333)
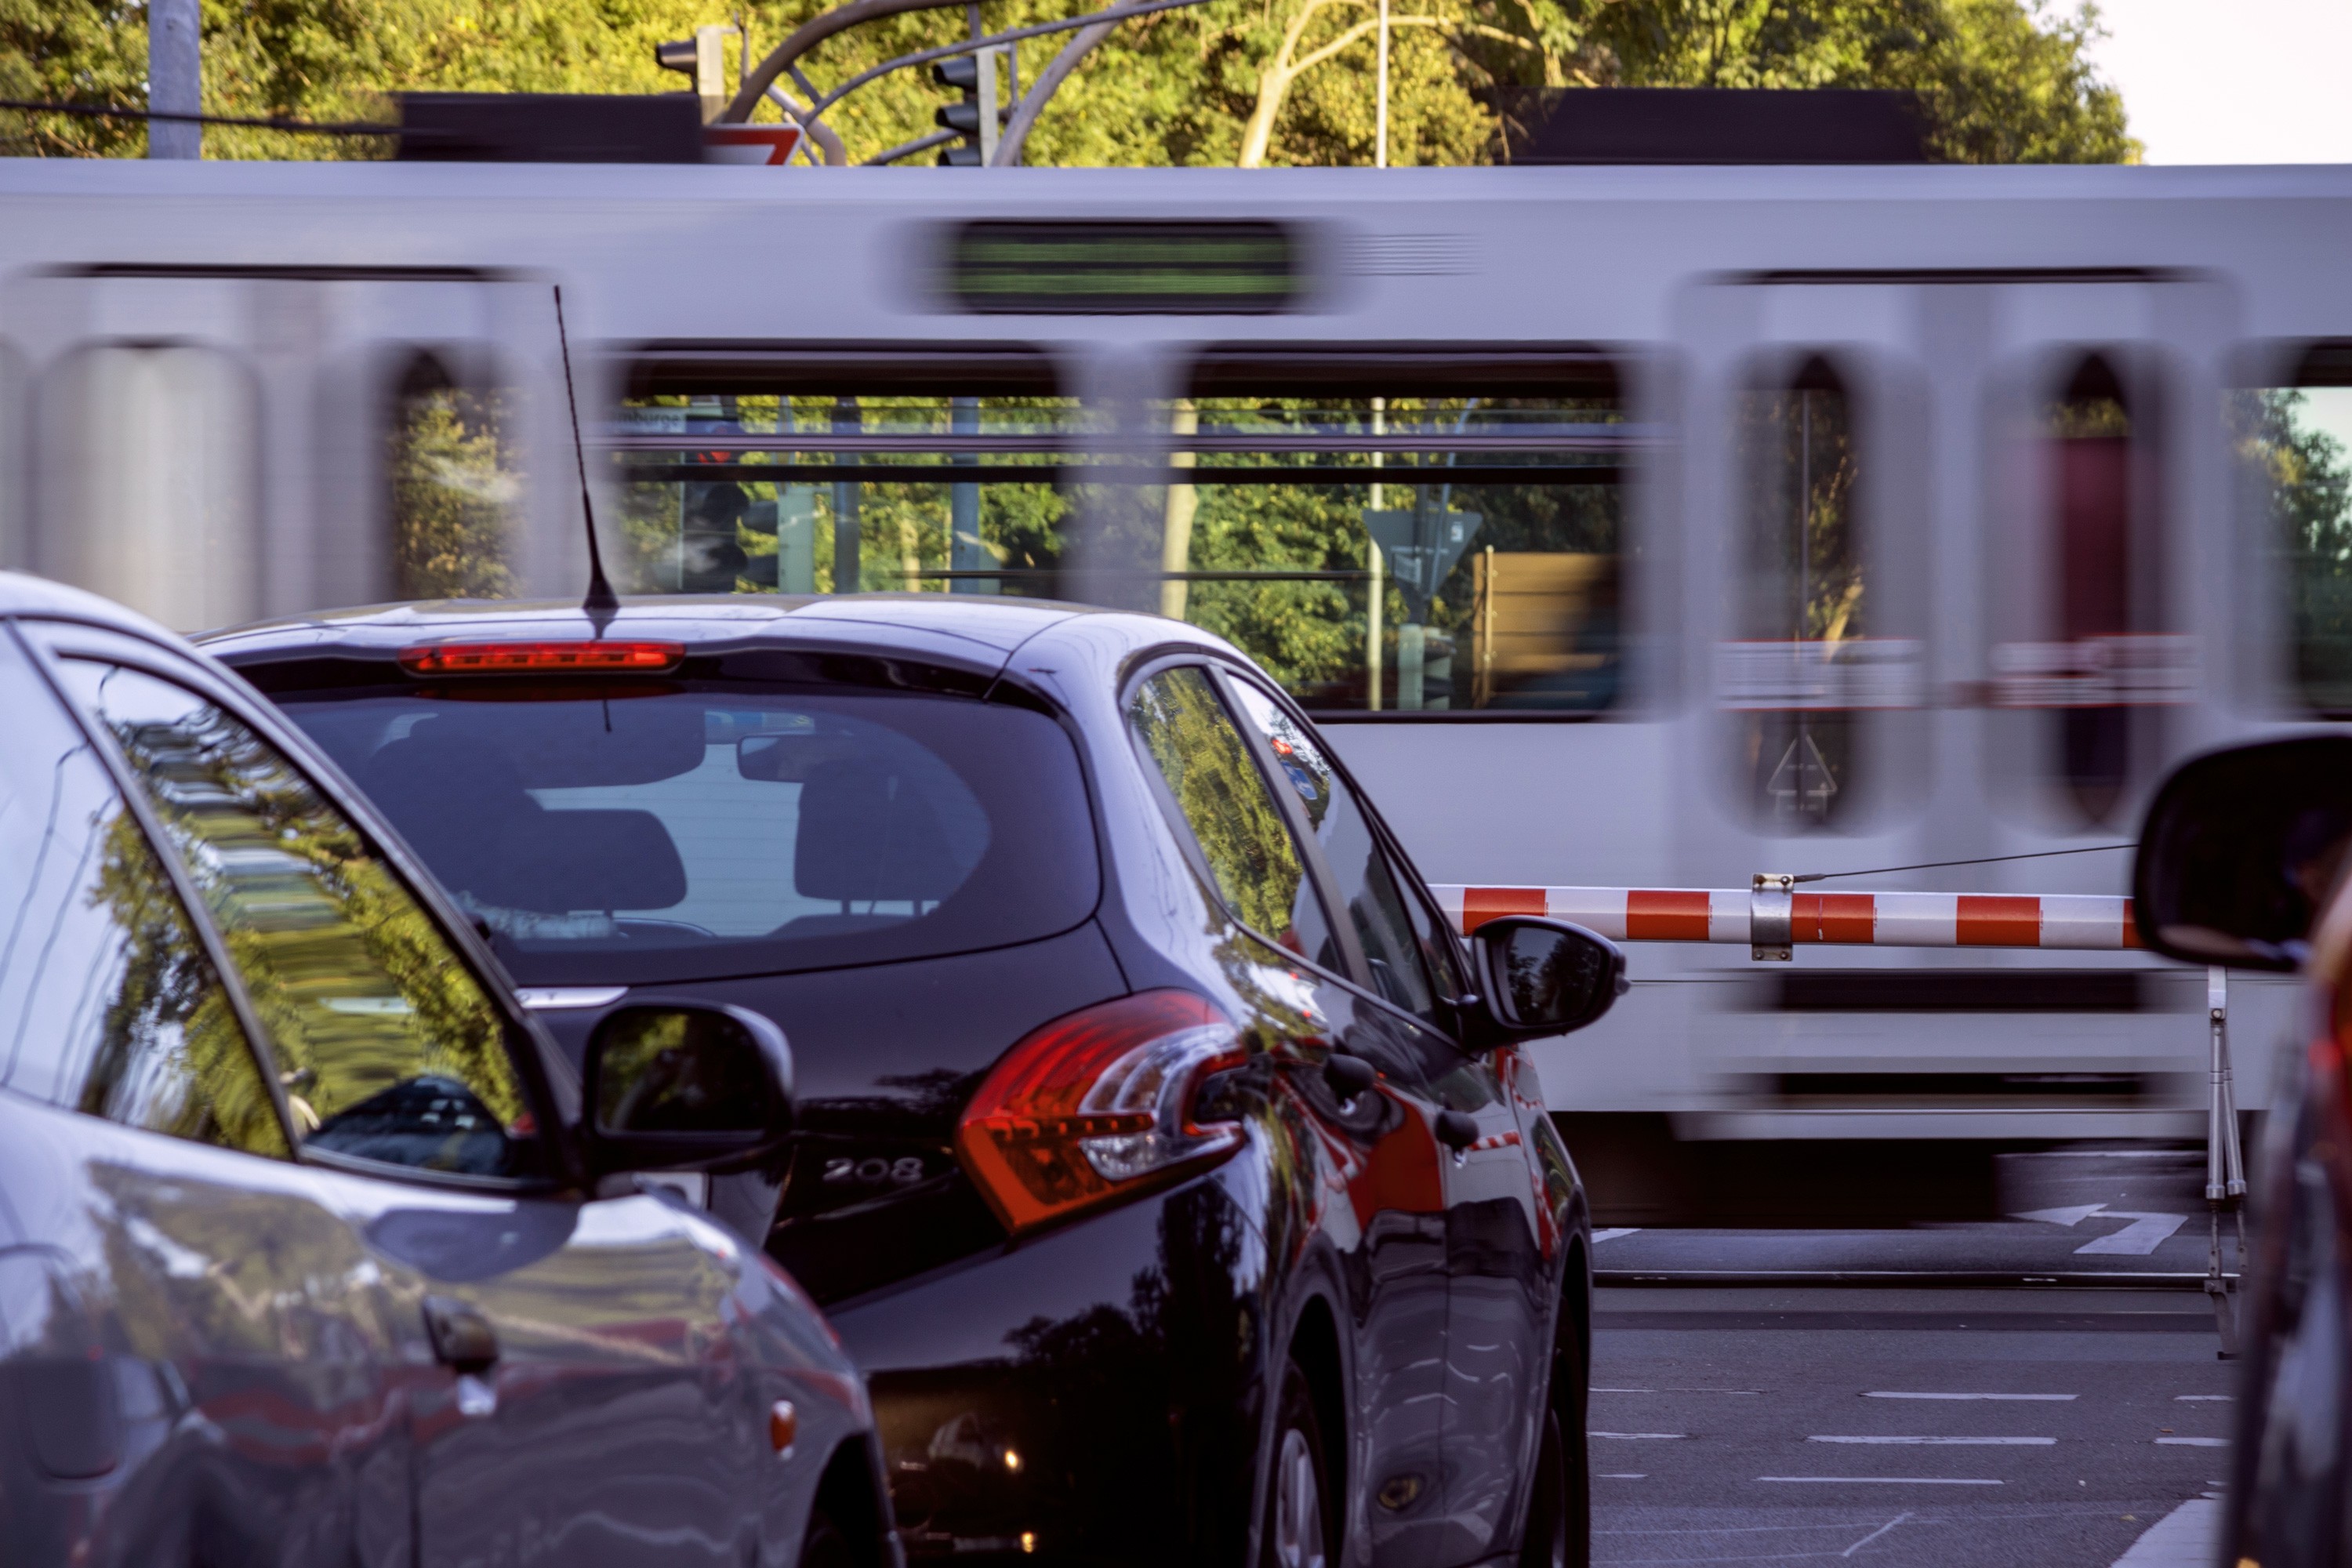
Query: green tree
(2000,81)
(84,51)
(1246,82)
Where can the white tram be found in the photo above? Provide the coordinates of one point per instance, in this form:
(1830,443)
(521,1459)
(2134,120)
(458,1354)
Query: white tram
(1640,527)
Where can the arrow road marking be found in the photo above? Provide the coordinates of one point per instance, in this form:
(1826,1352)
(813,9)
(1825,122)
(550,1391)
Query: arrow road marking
(2137,1240)
(2142,1236)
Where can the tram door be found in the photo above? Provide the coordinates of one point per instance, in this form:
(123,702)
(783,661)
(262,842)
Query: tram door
(1809,624)
(1939,611)
(2099,618)
(210,444)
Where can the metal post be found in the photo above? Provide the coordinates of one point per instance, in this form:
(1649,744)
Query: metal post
(965,550)
(174,78)
(1177,513)
(1380,148)
(1376,598)
(2225,1180)
(847,544)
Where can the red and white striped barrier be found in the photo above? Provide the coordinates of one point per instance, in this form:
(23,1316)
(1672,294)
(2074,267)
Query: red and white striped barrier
(2075,920)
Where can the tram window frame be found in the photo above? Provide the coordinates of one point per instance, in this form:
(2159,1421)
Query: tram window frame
(69,490)
(1869,688)
(464,370)
(965,374)
(1578,370)
(2080,675)
(2276,651)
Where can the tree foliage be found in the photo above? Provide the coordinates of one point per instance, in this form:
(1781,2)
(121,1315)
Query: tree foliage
(1218,83)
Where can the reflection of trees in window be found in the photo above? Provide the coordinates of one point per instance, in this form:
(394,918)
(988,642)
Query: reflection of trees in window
(109,1004)
(1241,833)
(2298,467)
(355,987)
(1802,588)
(453,485)
(2089,430)
(171,1056)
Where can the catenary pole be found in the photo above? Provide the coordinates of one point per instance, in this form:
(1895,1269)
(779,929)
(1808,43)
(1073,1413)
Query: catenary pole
(174,78)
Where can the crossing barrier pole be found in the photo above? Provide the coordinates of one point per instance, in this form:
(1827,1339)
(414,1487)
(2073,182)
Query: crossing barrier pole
(1772,919)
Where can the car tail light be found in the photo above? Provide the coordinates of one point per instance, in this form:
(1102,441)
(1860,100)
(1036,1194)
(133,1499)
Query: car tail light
(1096,1107)
(525,657)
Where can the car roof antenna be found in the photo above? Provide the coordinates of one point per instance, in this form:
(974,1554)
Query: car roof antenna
(600,604)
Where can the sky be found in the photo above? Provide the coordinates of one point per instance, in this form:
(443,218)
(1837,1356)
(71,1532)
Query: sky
(2231,81)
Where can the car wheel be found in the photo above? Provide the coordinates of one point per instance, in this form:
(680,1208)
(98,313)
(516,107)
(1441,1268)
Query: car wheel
(1301,1513)
(825,1544)
(1559,1502)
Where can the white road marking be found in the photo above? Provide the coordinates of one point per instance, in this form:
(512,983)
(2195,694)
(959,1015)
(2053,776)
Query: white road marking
(1623,1475)
(2203,1398)
(1638,1436)
(1948,1442)
(2192,1442)
(2188,1537)
(1674,1391)
(1887,1394)
(1879,1480)
(2145,1232)
(2142,1236)
(1600,1236)
(1875,1534)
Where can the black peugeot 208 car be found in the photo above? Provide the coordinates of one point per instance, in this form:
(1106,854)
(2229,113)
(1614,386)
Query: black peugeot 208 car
(1164,1158)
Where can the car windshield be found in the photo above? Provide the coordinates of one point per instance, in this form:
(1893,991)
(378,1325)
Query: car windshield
(620,836)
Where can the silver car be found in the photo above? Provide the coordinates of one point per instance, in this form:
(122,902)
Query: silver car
(313,1249)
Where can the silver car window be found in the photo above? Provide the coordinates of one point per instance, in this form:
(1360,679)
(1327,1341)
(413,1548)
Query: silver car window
(107,1003)
(388,1048)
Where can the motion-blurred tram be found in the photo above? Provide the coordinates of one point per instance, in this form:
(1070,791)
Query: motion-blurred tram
(1647,527)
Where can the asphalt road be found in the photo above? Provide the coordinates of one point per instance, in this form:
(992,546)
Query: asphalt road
(2042,1426)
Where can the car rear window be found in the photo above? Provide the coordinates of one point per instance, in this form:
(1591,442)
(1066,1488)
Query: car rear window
(623,837)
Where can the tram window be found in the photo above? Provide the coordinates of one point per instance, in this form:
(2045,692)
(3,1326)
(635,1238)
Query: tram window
(1807,666)
(2294,441)
(1390,534)
(802,476)
(2105,662)
(455,483)
(153,499)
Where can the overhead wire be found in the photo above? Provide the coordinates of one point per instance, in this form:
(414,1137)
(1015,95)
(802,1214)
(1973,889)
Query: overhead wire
(1978,860)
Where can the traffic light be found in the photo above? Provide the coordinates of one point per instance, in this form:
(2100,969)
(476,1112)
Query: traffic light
(977,118)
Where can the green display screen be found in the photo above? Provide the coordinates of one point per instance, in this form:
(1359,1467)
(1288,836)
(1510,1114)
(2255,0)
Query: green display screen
(1124,268)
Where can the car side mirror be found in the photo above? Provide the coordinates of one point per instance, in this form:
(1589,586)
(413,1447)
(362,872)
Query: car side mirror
(686,1086)
(1547,977)
(2240,850)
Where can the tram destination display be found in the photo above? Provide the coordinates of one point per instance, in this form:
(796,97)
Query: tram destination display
(1081,269)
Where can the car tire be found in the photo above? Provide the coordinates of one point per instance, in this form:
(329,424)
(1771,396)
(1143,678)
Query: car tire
(1558,1531)
(1302,1513)
(825,1544)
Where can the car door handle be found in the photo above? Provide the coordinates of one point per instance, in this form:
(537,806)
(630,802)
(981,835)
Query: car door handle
(462,1337)
(1456,1130)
